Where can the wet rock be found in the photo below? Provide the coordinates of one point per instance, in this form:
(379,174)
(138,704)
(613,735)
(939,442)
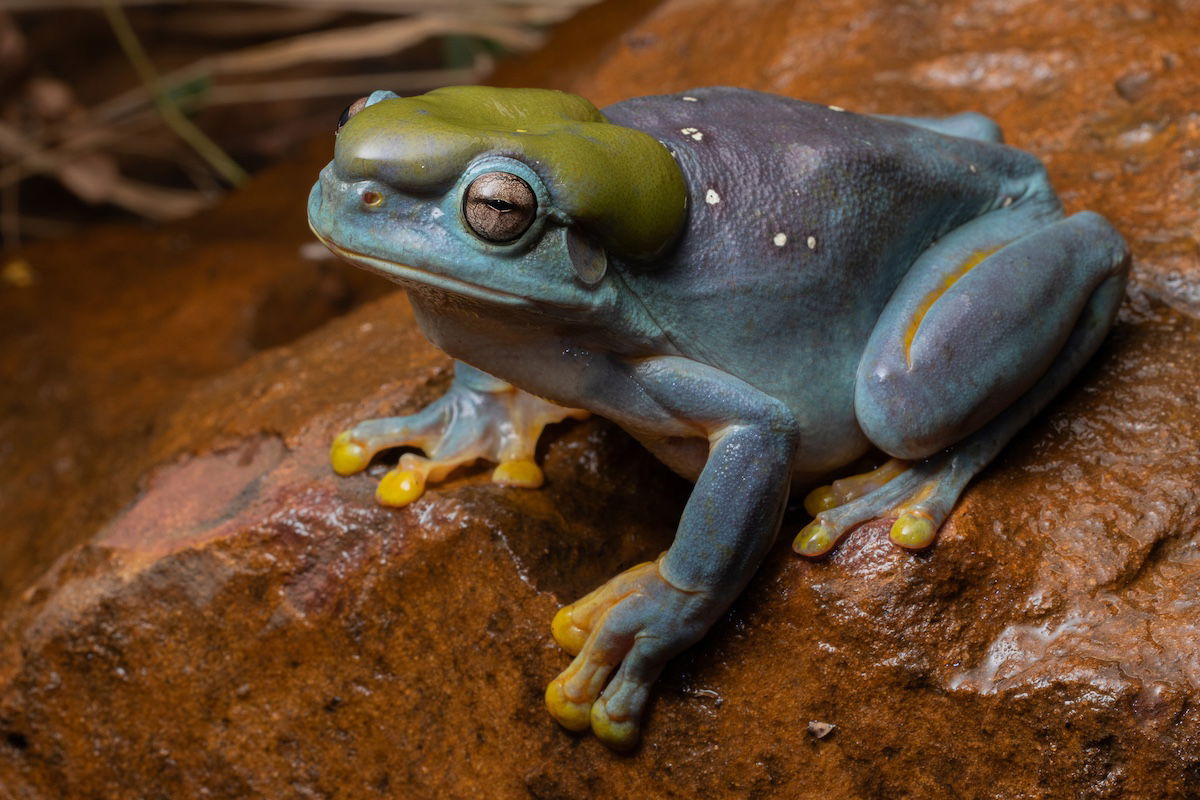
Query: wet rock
(114,326)
(243,623)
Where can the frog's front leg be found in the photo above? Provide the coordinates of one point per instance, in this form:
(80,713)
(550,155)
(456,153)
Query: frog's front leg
(631,626)
(988,325)
(480,417)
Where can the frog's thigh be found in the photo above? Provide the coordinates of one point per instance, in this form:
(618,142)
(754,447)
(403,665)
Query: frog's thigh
(968,125)
(974,325)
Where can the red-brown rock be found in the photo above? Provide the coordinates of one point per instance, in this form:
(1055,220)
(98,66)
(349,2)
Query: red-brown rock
(250,625)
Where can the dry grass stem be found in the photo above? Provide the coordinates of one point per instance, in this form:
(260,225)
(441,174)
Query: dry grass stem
(209,150)
(365,41)
(89,150)
(341,86)
(563,8)
(249,22)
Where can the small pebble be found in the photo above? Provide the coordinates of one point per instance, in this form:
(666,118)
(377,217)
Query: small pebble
(820,729)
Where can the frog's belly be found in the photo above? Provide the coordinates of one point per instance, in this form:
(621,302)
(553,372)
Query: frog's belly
(803,353)
(830,437)
(823,451)
(823,406)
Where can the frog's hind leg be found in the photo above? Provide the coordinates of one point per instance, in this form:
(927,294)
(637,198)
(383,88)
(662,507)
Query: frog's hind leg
(976,340)
(967,125)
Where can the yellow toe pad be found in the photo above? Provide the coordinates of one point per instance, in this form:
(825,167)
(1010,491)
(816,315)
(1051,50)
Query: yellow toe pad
(400,487)
(617,734)
(820,499)
(571,715)
(523,474)
(913,531)
(814,539)
(348,456)
(570,637)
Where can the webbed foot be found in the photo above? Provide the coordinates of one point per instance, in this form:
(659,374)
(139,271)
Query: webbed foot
(920,495)
(478,418)
(631,626)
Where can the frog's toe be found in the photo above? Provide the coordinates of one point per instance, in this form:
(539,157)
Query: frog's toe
(353,448)
(574,715)
(626,629)
(619,734)
(400,487)
(570,696)
(348,455)
(575,699)
(617,714)
(814,539)
(820,499)
(522,473)
(920,495)
(842,491)
(567,632)
(914,530)
(574,623)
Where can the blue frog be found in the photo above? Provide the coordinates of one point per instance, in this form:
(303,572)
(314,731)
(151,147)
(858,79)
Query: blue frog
(760,290)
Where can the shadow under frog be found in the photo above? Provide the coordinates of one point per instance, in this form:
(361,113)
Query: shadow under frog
(759,289)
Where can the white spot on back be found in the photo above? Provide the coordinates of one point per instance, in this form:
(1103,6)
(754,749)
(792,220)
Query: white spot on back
(812,243)
(780,239)
(972,168)
(697,136)
(711,197)
(687,99)
(835,108)
(687,131)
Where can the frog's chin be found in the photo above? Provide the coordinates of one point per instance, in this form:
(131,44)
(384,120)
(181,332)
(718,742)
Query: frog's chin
(415,277)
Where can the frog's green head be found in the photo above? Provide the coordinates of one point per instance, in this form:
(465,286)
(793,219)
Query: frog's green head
(517,196)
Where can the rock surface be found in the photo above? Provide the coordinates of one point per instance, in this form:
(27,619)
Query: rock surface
(225,618)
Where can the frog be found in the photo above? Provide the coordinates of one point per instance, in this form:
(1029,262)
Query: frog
(762,291)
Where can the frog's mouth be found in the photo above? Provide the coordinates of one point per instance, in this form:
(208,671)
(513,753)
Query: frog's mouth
(409,276)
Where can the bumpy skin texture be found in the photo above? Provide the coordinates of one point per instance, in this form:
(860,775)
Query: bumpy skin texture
(836,282)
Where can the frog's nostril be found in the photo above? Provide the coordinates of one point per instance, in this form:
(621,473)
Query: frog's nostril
(371,199)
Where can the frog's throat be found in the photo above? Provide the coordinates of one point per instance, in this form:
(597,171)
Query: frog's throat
(406,275)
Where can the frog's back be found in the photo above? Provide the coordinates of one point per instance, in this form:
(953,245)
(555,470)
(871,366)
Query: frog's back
(802,219)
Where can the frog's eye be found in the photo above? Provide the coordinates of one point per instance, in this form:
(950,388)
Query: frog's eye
(350,110)
(499,206)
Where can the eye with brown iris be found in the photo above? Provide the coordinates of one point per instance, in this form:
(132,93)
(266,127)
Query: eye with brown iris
(499,206)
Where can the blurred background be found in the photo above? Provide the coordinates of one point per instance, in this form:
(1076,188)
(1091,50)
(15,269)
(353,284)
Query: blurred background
(152,109)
